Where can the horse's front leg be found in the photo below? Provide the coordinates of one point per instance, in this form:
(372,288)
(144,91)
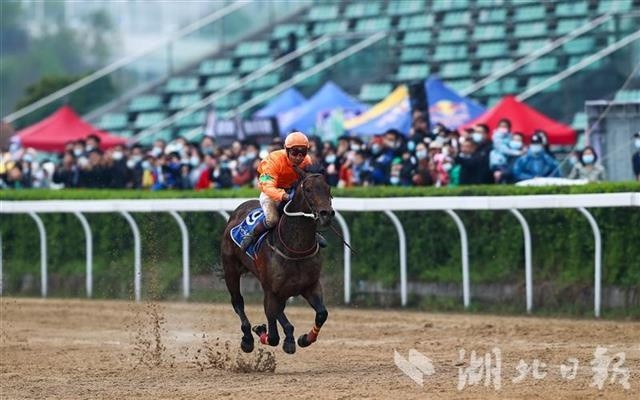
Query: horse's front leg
(314,298)
(272,308)
(289,345)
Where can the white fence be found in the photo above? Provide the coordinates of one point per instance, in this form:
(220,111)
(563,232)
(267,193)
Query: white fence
(447,204)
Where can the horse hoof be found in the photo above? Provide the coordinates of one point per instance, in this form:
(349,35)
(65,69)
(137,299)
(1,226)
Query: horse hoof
(289,347)
(259,329)
(246,346)
(303,341)
(273,341)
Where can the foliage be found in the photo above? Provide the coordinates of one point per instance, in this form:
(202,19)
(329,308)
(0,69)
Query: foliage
(562,242)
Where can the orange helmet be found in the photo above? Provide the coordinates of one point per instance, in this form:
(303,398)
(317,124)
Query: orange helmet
(295,139)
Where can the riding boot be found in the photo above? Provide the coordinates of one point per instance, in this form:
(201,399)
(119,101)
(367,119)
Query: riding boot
(256,233)
(321,240)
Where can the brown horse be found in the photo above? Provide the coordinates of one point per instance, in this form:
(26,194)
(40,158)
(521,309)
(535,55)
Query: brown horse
(288,263)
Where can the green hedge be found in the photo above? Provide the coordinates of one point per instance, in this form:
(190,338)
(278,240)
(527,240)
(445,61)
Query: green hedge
(562,243)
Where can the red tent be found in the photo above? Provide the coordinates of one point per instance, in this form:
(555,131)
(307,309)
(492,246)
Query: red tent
(525,119)
(61,127)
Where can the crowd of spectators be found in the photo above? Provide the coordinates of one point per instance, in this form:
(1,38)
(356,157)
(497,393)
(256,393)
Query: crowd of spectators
(437,157)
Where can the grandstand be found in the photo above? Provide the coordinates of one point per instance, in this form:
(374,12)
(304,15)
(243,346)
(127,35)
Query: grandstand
(465,42)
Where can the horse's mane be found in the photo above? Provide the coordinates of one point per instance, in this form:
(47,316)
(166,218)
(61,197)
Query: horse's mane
(315,168)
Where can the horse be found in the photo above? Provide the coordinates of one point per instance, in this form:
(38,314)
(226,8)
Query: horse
(287,264)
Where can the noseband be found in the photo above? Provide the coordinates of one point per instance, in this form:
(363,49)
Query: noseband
(313,214)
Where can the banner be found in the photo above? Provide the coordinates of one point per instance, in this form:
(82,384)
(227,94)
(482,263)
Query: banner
(260,131)
(448,107)
(391,113)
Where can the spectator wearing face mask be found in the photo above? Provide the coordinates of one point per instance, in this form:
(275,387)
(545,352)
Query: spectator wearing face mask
(422,173)
(118,172)
(474,166)
(588,167)
(535,163)
(635,159)
(331,164)
(501,163)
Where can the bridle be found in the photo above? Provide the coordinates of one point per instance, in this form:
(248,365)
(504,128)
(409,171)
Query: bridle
(312,251)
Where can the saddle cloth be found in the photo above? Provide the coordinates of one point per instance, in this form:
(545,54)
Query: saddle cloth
(247,225)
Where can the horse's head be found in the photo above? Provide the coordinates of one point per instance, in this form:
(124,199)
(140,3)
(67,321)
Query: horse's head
(313,194)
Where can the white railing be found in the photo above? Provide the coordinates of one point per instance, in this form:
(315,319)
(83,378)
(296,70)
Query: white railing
(579,202)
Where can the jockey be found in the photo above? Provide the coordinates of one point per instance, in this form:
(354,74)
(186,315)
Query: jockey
(277,174)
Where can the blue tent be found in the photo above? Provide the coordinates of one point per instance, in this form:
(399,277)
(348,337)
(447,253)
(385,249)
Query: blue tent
(305,116)
(286,100)
(448,107)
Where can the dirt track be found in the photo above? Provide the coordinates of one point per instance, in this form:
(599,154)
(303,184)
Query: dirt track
(116,350)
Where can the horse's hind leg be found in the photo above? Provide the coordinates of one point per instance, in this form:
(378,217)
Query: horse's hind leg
(314,298)
(232,279)
(289,345)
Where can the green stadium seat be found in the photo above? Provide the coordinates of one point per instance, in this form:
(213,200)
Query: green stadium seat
(457,18)
(489,32)
(580,45)
(572,9)
(180,101)
(193,119)
(330,27)
(526,47)
(566,26)
(164,134)
(450,52)
(628,95)
(215,67)
(146,102)
(359,10)
(501,87)
(455,70)
(405,7)
(408,72)
(181,85)
(410,54)
(265,81)
(492,101)
(415,22)
(374,92)
(323,12)
(252,49)
(113,121)
(535,80)
(307,61)
(229,101)
(281,31)
(573,60)
(492,50)
(542,65)
(529,13)
(145,120)
(531,29)
(606,6)
(413,38)
(490,3)
(453,35)
(580,121)
(459,84)
(248,65)
(494,15)
(216,83)
(490,66)
(373,24)
(445,5)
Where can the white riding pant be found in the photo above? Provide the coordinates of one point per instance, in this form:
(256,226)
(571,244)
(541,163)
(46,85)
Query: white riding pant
(270,208)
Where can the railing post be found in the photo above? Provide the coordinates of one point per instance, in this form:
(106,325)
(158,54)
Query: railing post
(185,253)
(224,214)
(598,260)
(137,267)
(347,257)
(466,292)
(43,253)
(403,255)
(528,274)
(88,237)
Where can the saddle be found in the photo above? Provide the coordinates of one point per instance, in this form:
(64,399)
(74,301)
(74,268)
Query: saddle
(238,232)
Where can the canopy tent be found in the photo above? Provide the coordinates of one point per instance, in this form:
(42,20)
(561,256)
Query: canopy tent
(448,107)
(527,120)
(305,116)
(60,128)
(393,112)
(286,100)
